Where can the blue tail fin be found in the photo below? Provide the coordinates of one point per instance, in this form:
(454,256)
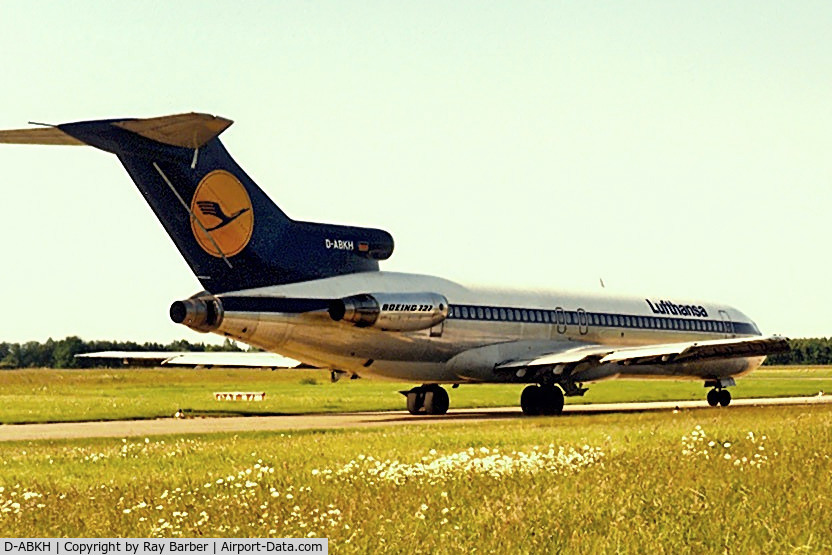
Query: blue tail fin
(232,235)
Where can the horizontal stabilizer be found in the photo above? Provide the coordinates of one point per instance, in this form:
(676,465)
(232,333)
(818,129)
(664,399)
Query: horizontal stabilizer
(186,130)
(191,130)
(38,136)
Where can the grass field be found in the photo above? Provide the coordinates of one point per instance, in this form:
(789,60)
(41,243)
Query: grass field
(744,480)
(44,395)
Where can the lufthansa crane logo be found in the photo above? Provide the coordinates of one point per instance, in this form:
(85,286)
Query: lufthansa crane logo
(222,218)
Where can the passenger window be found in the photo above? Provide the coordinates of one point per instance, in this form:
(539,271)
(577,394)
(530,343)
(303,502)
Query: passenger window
(465,312)
(488,314)
(502,314)
(627,321)
(510,315)
(516,315)
(480,314)
(546,317)
(524,315)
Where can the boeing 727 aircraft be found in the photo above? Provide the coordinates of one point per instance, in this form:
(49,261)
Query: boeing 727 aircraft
(314,291)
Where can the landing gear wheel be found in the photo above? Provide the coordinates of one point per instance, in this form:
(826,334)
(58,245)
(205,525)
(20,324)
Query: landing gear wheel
(436,401)
(415,400)
(713,397)
(531,400)
(427,399)
(724,397)
(552,398)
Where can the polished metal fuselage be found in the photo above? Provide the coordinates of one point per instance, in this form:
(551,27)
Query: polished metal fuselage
(459,350)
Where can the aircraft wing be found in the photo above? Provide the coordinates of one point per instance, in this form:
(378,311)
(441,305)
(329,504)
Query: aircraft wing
(666,353)
(209,358)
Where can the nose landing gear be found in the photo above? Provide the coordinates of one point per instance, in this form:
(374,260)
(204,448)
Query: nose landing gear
(719,397)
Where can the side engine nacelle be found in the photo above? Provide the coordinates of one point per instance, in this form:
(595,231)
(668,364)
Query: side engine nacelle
(391,311)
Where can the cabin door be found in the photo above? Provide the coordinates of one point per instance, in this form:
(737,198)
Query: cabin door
(727,324)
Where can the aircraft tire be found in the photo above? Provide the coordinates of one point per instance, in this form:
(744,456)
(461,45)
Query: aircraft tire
(713,397)
(531,400)
(415,400)
(552,400)
(436,401)
(724,397)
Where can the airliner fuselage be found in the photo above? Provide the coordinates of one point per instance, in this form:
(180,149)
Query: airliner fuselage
(511,324)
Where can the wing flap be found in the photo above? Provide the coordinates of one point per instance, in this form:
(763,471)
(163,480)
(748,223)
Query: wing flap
(553,358)
(663,353)
(699,350)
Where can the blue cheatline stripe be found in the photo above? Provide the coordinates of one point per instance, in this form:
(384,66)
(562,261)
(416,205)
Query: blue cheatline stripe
(562,317)
(272,304)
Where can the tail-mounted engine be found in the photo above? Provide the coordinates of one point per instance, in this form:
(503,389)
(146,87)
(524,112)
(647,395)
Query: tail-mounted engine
(200,313)
(391,311)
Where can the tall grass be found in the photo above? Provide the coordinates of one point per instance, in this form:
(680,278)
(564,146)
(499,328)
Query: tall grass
(72,395)
(741,480)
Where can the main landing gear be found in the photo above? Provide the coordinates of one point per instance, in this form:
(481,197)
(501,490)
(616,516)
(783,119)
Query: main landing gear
(719,395)
(427,399)
(541,400)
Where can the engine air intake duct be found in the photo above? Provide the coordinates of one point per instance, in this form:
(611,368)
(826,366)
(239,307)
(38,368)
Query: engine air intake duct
(391,311)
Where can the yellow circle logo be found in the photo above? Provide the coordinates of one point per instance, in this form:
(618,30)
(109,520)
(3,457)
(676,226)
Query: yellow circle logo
(222,218)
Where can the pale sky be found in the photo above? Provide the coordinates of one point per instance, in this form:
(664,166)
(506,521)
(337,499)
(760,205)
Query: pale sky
(676,150)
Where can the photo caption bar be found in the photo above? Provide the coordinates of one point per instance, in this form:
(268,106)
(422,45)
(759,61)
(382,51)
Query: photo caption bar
(128,546)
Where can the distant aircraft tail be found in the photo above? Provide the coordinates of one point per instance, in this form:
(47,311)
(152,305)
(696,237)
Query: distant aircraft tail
(230,232)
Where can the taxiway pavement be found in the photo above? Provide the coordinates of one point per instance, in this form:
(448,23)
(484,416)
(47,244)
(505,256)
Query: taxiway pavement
(185,426)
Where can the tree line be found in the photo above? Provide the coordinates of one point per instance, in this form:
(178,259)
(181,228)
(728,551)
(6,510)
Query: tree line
(807,351)
(61,353)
